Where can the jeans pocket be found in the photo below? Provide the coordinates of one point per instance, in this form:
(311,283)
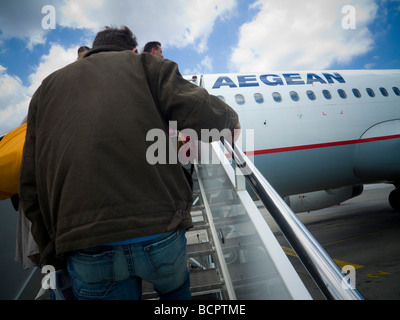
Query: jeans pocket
(91,272)
(168,256)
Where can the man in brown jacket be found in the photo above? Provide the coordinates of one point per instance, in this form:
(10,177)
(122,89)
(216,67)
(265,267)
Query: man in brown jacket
(95,203)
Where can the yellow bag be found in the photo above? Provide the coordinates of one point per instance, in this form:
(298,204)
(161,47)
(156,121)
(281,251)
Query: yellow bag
(11,147)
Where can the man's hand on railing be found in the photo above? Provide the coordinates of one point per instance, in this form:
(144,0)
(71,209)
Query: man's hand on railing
(234,134)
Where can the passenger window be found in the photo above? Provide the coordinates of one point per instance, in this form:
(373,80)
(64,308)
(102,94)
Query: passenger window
(396,91)
(370,92)
(356,93)
(294,96)
(239,99)
(327,94)
(277,96)
(384,92)
(342,93)
(222,98)
(310,95)
(258,97)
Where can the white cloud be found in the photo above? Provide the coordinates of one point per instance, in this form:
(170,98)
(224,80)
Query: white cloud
(22,19)
(177,23)
(14,101)
(15,97)
(205,66)
(57,58)
(297,35)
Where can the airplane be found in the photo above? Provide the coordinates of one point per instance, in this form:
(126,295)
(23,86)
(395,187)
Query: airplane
(319,136)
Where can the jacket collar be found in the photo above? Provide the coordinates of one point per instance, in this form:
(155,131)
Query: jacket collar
(103,49)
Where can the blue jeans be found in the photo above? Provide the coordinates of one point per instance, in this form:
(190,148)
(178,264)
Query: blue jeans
(116,272)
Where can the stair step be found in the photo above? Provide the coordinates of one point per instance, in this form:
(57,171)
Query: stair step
(198,249)
(198,207)
(205,280)
(199,225)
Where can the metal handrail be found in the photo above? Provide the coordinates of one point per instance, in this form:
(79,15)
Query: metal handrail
(326,274)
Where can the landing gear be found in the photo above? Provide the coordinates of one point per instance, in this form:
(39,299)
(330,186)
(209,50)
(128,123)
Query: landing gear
(394,199)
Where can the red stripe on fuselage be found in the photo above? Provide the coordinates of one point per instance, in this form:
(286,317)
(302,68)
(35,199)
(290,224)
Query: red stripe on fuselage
(321,145)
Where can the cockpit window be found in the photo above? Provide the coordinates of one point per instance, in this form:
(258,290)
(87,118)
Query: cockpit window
(396,91)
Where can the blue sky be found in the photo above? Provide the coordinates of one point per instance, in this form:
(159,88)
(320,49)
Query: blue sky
(208,36)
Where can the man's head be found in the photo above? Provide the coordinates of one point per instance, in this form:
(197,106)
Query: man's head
(81,51)
(112,36)
(153,47)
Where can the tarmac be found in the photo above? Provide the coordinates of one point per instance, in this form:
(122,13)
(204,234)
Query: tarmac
(363,233)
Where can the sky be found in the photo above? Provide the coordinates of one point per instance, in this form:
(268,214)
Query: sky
(38,37)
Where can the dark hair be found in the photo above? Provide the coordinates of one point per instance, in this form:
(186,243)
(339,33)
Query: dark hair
(112,36)
(151,45)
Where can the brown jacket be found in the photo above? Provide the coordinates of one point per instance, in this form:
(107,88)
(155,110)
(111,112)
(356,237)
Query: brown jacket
(84,177)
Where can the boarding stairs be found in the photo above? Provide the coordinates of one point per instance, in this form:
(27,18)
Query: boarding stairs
(233,253)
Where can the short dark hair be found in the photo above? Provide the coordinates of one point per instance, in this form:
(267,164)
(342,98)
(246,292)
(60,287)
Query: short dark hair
(112,36)
(151,45)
